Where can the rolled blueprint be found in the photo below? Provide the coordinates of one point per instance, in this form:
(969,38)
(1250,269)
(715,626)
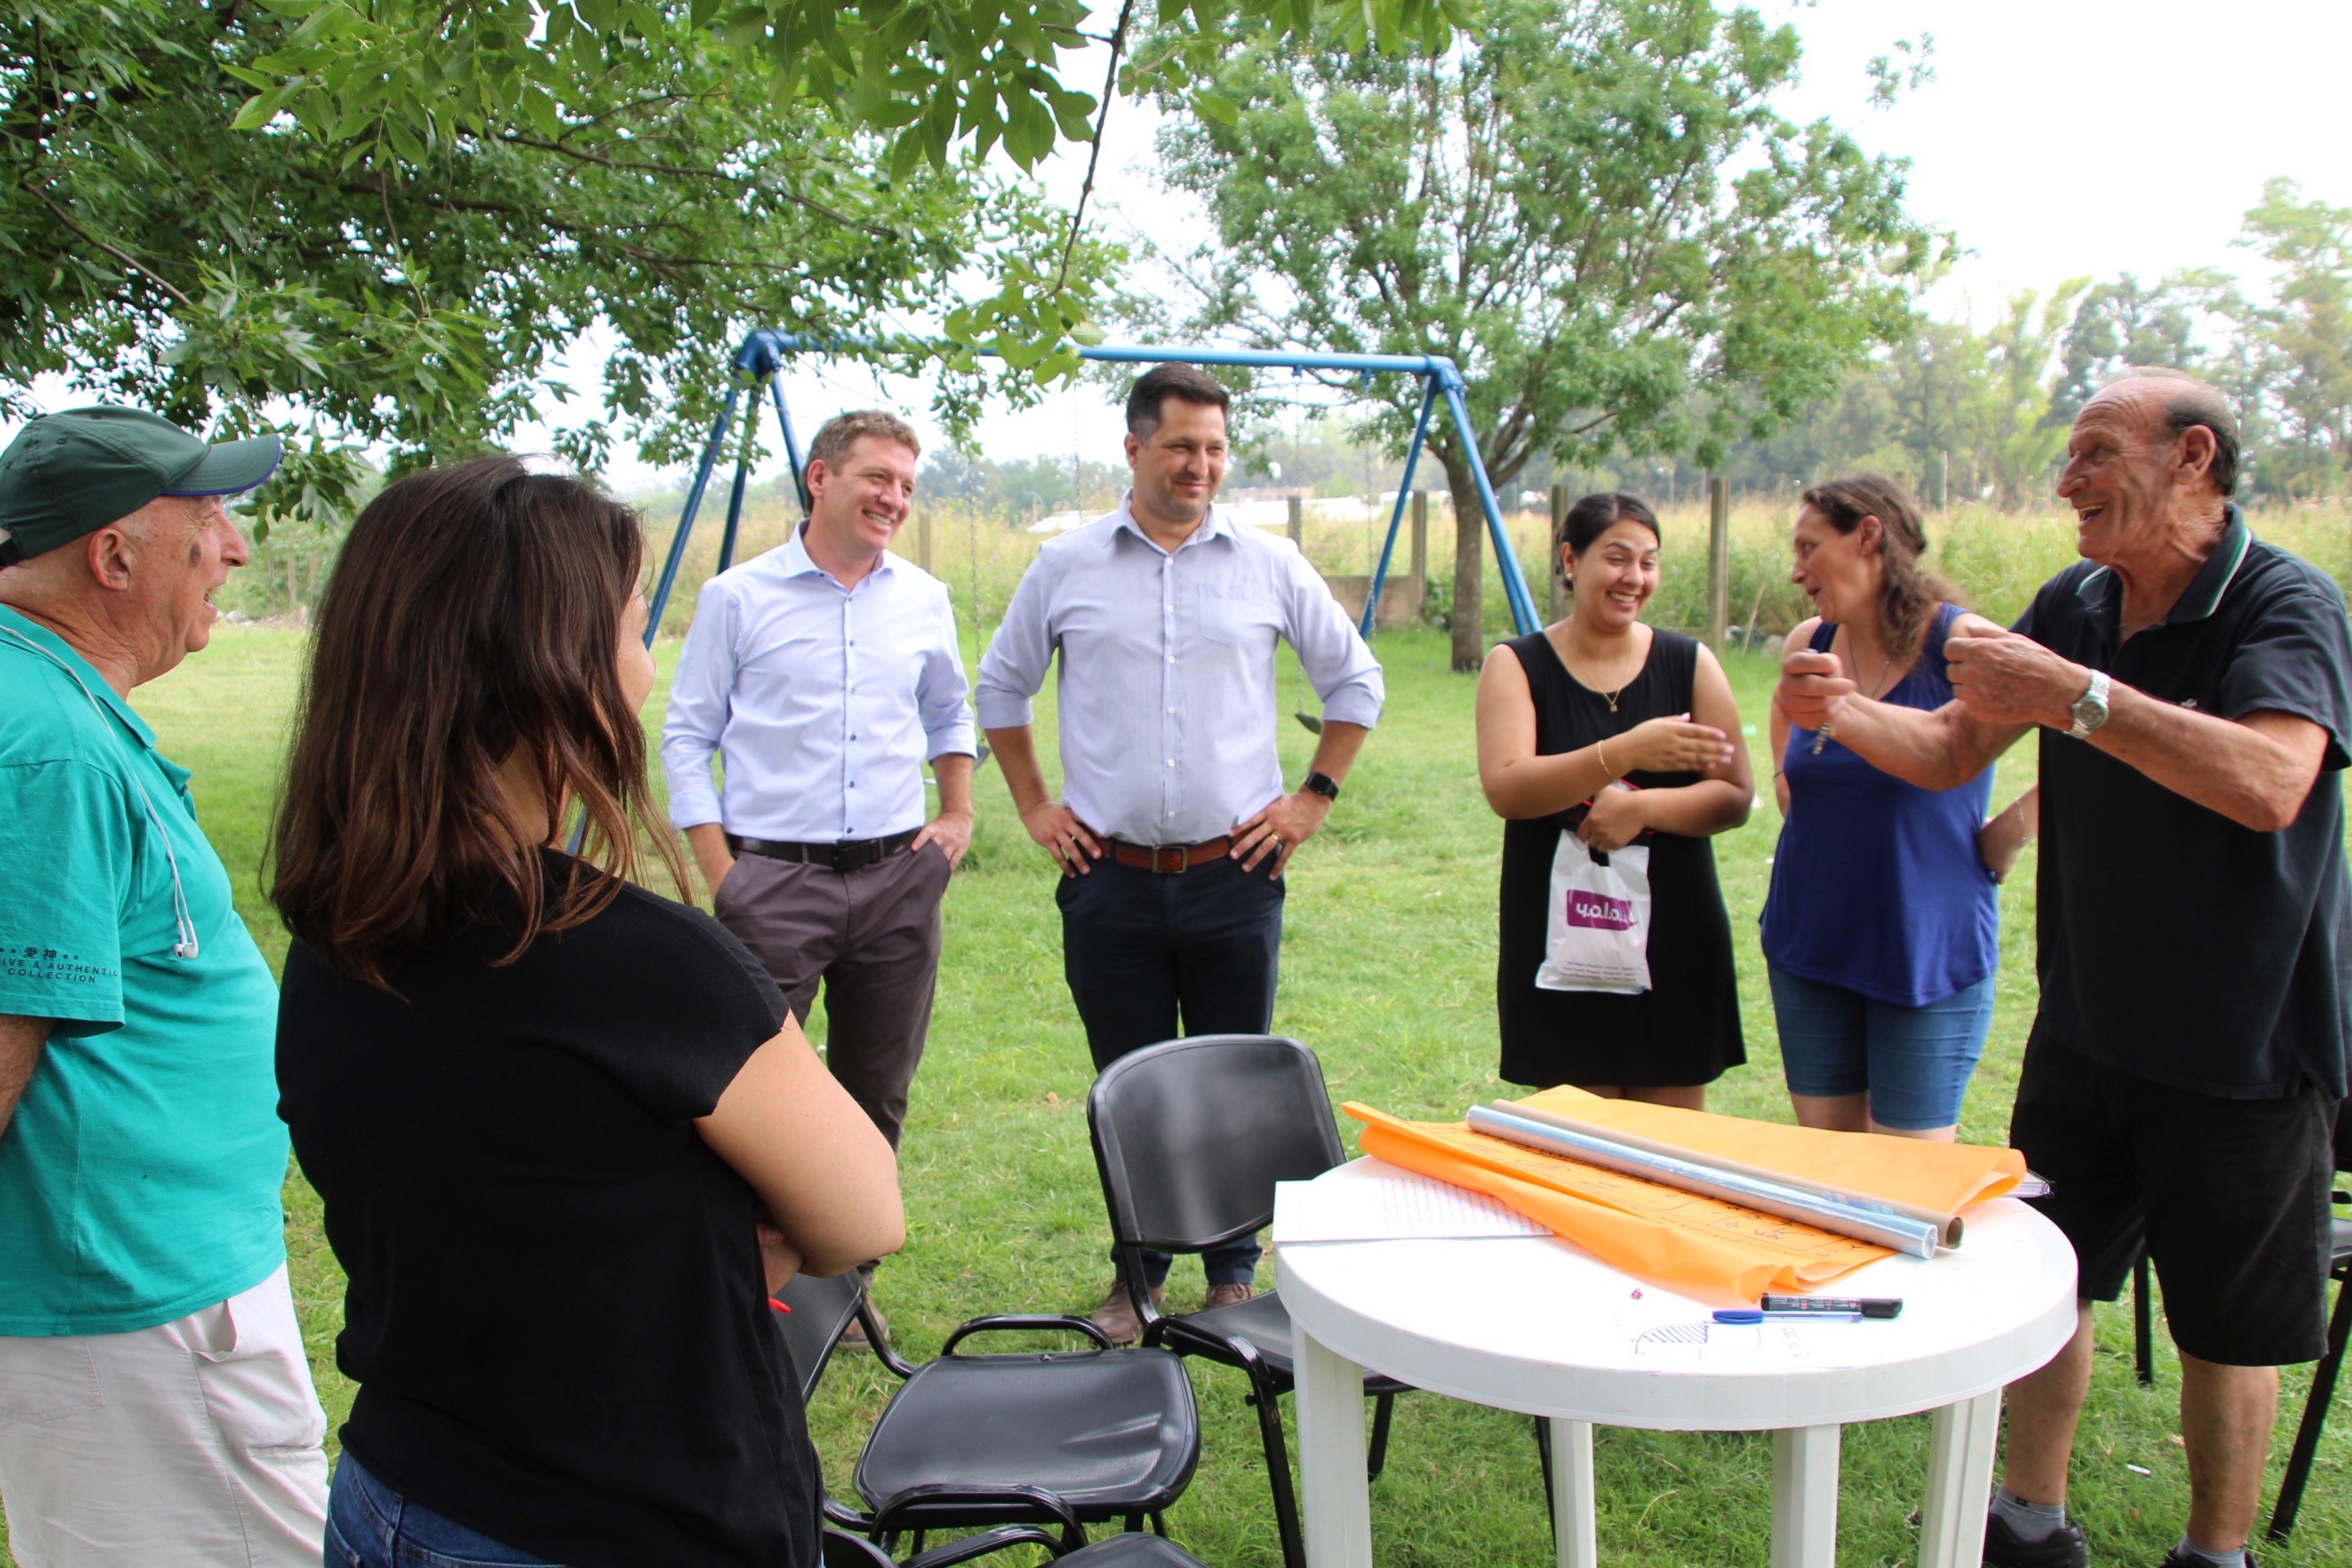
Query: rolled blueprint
(1948,1226)
(1864,1219)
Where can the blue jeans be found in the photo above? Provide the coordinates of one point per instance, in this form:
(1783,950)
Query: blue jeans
(369,1525)
(1914,1061)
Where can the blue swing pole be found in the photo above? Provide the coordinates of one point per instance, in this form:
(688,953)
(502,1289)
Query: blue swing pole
(742,474)
(1396,519)
(693,504)
(1507,561)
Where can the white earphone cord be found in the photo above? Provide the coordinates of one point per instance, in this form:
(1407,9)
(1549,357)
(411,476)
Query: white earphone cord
(184,925)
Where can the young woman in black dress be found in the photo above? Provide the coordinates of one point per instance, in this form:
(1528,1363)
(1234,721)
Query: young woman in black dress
(1564,716)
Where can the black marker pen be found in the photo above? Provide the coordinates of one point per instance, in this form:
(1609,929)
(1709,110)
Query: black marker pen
(1868,1306)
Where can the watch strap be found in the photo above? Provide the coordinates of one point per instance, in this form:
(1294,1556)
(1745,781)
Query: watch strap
(1323,784)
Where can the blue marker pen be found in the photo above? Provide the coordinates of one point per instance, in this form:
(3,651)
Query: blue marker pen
(1750,1315)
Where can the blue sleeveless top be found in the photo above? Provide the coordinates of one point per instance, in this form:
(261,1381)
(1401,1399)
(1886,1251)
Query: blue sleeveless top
(1877,885)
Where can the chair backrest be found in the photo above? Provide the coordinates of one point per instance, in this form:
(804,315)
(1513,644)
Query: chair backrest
(1191,1136)
(820,1314)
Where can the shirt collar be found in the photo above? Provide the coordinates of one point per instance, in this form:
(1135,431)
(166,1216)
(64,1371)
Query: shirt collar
(1219,521)
(798,563)
(73,664)
(2204,592)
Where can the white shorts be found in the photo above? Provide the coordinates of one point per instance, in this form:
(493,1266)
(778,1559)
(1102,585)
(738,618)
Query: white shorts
(199,1441)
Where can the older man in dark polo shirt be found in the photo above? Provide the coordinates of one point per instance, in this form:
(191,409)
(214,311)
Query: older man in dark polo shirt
(2190,684)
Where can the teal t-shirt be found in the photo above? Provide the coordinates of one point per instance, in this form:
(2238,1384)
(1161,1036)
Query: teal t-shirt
(140,1178)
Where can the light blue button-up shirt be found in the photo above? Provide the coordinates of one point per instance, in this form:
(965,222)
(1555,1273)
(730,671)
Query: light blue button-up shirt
(824,701)
(1167,678)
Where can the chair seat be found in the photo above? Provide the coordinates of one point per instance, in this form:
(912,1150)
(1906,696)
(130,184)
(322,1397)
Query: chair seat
(1134,1549)
(1265,1321)
(2342,1246)
(1111,1433)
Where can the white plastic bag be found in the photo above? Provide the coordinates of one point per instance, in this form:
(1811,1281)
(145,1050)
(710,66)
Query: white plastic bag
(1598,935)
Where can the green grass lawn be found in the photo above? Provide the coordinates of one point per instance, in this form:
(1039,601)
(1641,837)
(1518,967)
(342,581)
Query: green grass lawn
(1388,972)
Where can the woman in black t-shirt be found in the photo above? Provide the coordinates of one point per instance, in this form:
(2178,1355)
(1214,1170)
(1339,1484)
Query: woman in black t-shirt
(568,1138)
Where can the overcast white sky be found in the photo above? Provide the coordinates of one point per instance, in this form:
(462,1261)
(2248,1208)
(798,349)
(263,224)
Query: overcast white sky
(2060,137)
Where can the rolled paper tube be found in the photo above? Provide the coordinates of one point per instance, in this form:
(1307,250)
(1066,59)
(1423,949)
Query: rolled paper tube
(1901,1232)
(1948,1226)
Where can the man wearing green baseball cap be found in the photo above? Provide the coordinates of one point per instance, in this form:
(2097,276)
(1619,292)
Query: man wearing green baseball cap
(155,1400)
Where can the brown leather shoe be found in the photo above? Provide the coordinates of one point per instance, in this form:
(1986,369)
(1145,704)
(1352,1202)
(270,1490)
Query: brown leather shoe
(1227,1296)
(1117,1316)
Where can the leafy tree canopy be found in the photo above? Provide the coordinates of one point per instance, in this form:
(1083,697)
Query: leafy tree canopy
(1591,206)
(382,279)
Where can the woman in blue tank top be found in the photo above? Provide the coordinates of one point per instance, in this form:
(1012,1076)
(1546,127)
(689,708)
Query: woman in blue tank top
(1881,929)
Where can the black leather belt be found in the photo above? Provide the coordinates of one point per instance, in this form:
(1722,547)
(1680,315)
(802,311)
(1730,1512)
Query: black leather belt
(849,855)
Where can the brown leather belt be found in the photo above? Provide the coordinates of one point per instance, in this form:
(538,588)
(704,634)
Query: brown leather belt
(849,855)
(1167,859)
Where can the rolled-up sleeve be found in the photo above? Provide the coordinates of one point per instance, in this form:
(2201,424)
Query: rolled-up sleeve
(941,690)
(1335,657)
(1014,667)
(698,697)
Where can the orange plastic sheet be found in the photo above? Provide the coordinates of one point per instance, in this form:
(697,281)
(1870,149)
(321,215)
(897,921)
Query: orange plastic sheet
(1942,1178)
(1700,1245)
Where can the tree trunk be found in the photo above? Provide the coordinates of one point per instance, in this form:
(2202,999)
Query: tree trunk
(1469,533)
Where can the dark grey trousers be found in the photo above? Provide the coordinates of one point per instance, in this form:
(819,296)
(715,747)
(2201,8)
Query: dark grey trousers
(871,937)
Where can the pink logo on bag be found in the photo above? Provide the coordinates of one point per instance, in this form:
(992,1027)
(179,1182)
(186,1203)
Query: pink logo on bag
(1599,910)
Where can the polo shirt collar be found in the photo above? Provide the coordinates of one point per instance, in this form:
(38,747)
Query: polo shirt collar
(1219,521)
(80,668)
(2205,591)
(799,563)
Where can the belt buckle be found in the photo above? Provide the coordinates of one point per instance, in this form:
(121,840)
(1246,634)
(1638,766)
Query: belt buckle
(1183,856)
(855,854)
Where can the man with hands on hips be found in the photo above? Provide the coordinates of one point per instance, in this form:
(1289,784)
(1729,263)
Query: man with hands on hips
(2190,684)
(1175,826)
(825,673)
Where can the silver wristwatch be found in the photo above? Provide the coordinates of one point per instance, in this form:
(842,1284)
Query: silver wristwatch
(2091,711)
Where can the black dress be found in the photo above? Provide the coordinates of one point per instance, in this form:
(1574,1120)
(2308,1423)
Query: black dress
(1686,1028)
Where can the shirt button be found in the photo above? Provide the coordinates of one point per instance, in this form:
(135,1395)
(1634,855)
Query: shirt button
(1171,762)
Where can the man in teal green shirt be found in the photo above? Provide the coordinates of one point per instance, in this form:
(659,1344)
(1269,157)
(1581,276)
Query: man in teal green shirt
(155,1402)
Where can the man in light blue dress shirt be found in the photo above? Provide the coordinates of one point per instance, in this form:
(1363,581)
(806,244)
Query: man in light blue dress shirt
(824,674)
(1174,828)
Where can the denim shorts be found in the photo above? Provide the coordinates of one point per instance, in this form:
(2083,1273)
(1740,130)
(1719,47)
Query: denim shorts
(1914,1061)
(369,1525)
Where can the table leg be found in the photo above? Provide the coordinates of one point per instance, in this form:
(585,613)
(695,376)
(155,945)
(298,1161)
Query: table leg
(1338,1501)
(1959,1479)
(1805,1496)
(1573,1500)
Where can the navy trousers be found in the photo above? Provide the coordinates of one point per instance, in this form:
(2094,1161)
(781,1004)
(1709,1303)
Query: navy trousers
(1152,957)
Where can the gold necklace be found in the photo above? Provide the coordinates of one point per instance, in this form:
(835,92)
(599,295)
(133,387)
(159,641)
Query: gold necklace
(1611,697)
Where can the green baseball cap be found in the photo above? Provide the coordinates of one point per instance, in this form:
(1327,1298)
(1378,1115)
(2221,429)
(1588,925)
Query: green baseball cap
(69,474)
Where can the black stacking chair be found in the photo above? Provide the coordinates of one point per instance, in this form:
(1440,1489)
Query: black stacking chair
(817,1312)
(2323,1376)
(843,1550)
(1191,1136)
(1065,1439)
(1074,1437)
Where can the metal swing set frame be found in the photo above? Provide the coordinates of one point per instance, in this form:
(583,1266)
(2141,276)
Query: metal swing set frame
(762,354)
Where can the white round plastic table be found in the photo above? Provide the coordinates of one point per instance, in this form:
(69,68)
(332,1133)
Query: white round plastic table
(1537,1325)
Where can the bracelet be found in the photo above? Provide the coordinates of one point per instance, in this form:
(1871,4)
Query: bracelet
(1603,755)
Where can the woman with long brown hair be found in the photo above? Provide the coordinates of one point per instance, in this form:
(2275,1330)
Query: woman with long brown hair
(1881,929)
(568,1138)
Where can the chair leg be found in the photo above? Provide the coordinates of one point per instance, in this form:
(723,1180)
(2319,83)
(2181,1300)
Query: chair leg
(1543,1464)
(2314,1415)
(1278,1474)
(2143,1323)
(1160,1525)
(1383,1407)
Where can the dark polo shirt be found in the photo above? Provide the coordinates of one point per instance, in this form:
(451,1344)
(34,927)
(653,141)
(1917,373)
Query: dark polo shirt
(2175,944)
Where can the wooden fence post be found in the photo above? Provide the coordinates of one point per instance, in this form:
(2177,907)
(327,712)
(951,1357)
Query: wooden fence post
(923,538)
(1718,560)
(1420,535)
(1298,521)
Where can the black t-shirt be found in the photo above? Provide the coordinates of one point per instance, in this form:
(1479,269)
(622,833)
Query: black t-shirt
(556,1312)
(2174,944)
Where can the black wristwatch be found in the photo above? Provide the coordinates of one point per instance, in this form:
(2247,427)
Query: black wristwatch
(1323,784)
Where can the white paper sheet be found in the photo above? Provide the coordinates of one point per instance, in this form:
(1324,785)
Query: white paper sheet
(1399,1207)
